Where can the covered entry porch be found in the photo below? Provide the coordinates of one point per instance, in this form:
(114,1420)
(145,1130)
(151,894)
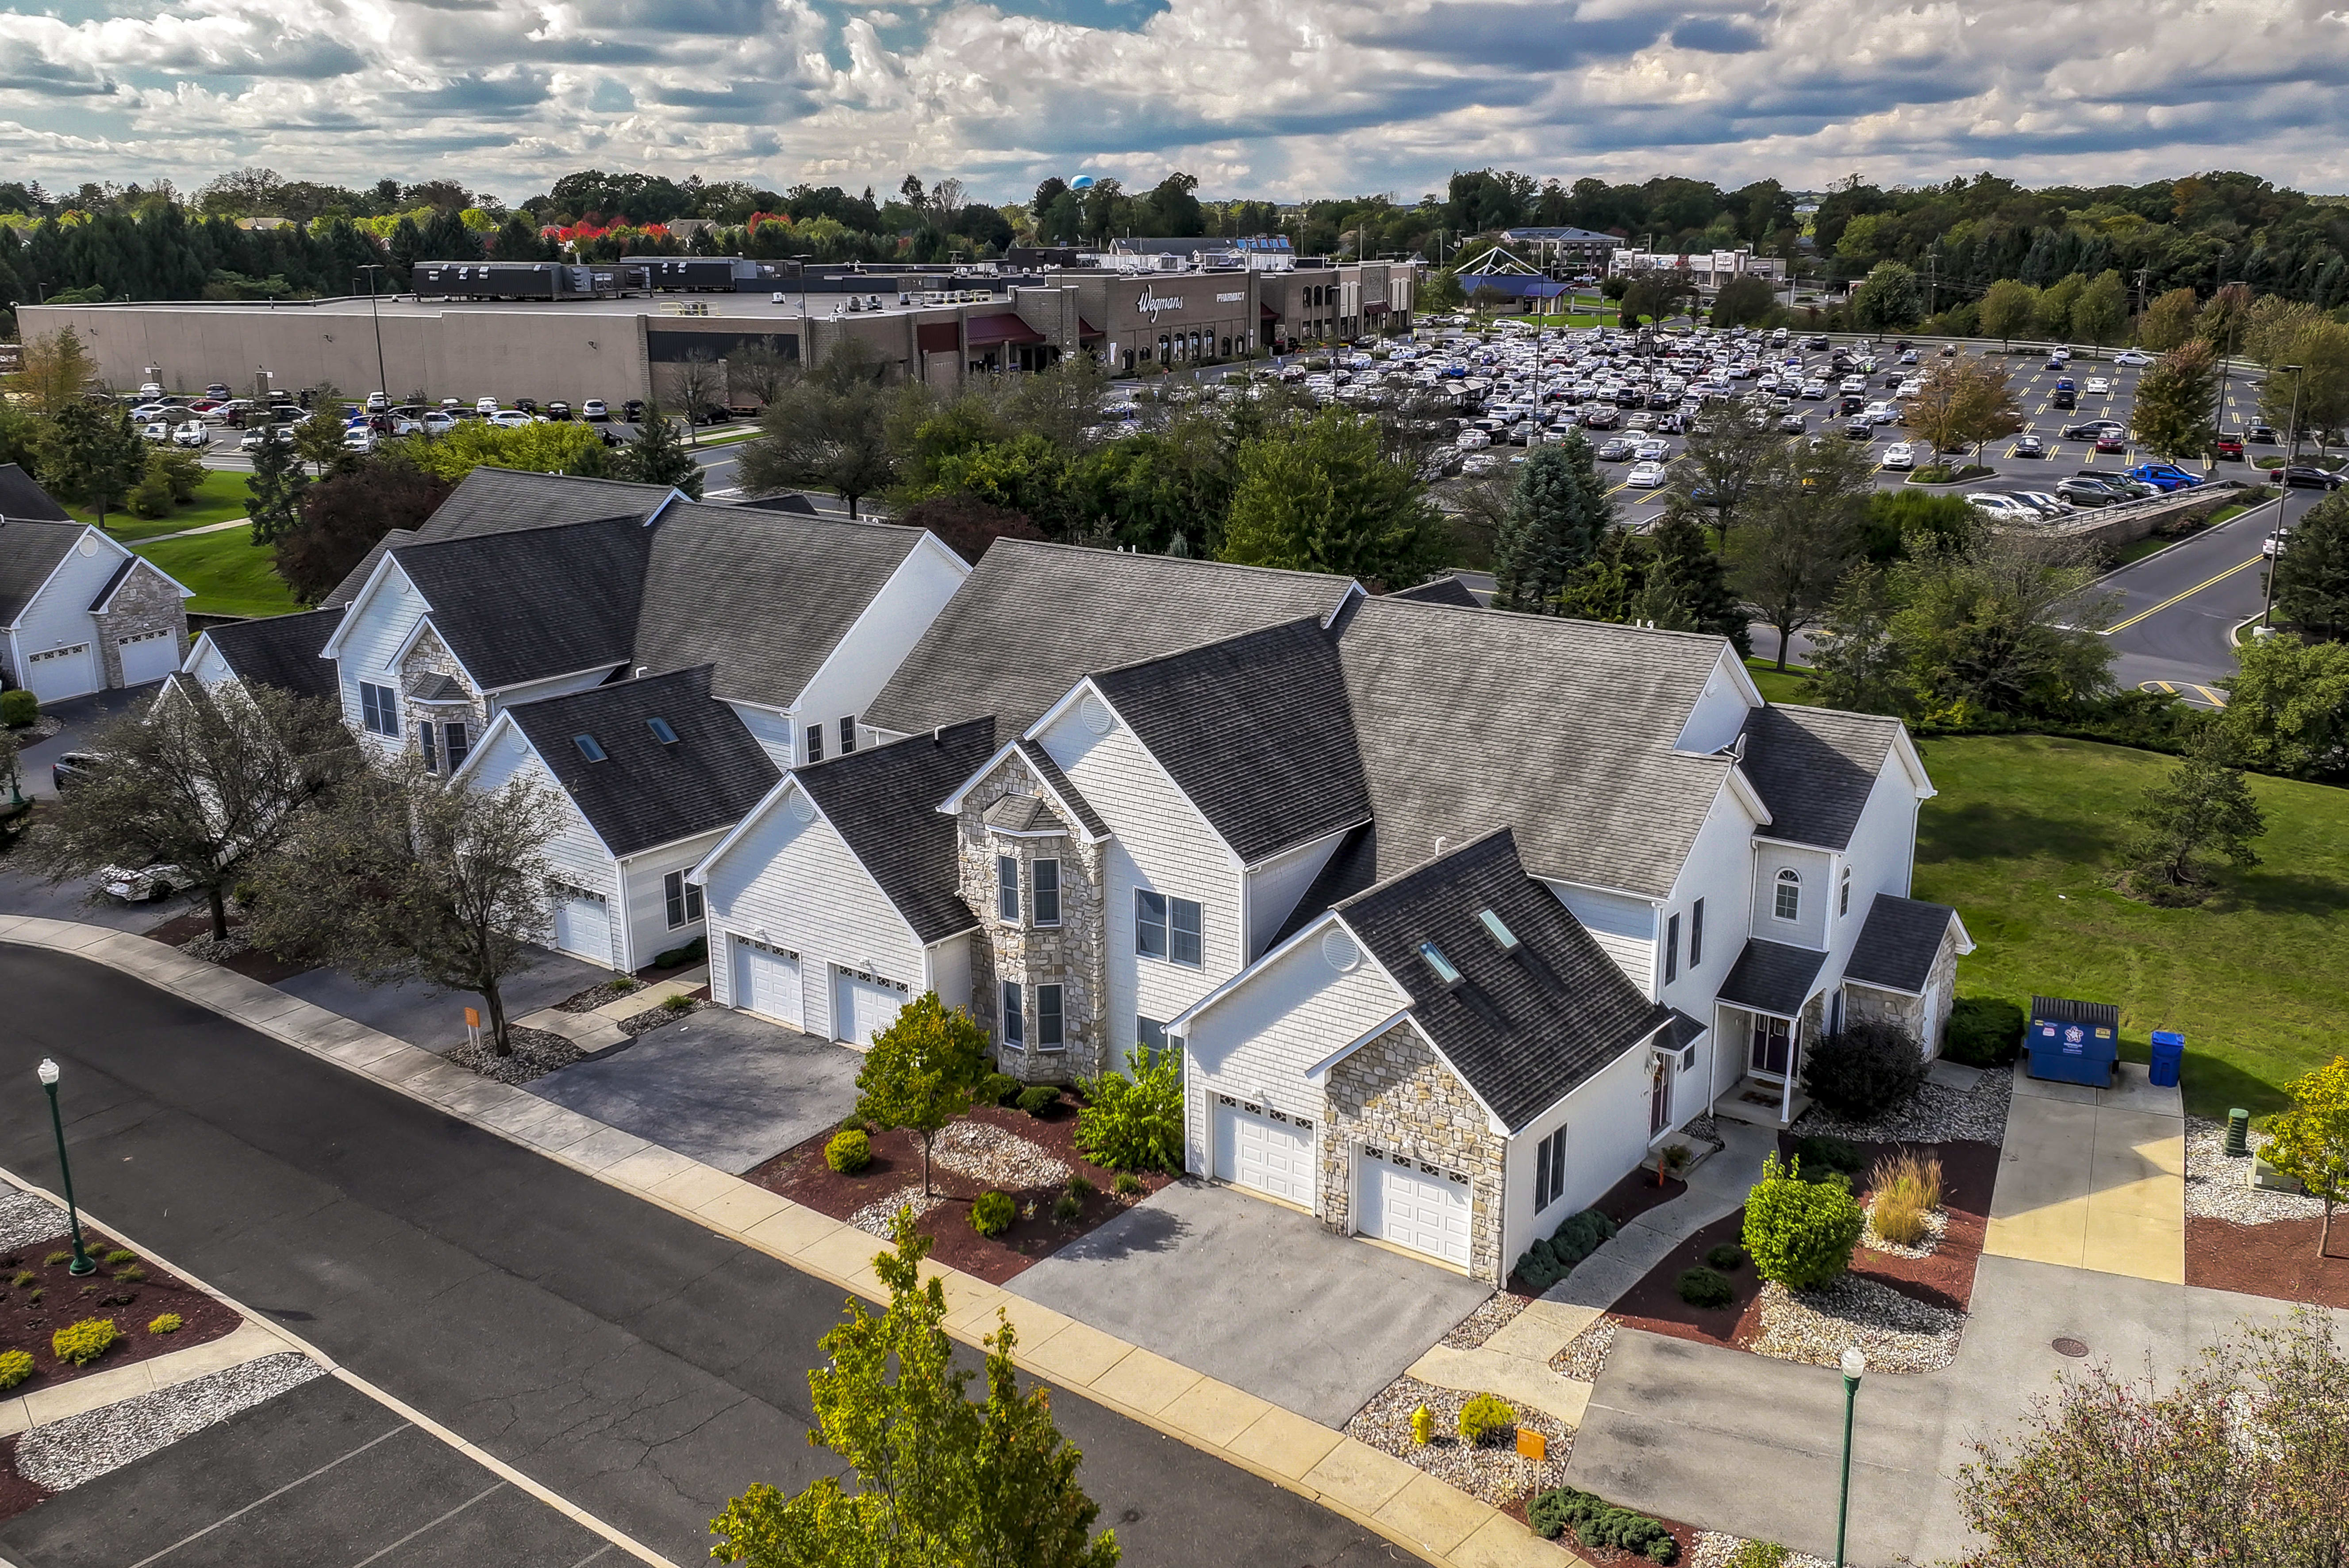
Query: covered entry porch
(1767,1011)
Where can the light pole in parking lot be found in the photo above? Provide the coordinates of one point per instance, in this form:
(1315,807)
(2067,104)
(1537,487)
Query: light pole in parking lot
(2218,414)
(382,381)
(2283,499)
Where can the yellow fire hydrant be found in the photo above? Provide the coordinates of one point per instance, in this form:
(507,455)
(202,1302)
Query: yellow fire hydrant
(1422,1426)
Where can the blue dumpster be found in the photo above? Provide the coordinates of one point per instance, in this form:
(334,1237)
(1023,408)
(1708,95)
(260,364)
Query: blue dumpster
(2074,1042)
(2169,1055)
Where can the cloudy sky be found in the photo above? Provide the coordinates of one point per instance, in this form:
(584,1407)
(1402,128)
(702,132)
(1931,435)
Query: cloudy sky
(1284,97)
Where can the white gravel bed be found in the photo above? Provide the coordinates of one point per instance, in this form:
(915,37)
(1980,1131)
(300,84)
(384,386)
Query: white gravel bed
(80,1449)
(27,1219)
(1493,1474)
(1895,1332)
(1585,1355)
(986,1152)
(1487,1320)
(2218,1187)
(535,1054)
(874,1217)
(1713,1549)
(1937,1225)
(1938,1114)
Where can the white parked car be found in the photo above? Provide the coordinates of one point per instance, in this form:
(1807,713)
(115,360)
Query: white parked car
(1650,451)
(597,409)
(148,884)
(150,389)
(1645,476)
(440,422)
(376,403)
(485,406)
(2004,508)
(191,434)
(1900,455)
(2131,357)
(156,431)
(2098,387)
(509,419)
(359,439)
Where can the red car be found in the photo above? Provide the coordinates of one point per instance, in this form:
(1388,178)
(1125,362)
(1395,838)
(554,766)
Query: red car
(2229,447)
(2110,442)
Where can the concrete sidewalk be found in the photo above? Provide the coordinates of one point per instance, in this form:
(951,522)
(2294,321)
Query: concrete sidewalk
(1409,1508)
(2093,1177)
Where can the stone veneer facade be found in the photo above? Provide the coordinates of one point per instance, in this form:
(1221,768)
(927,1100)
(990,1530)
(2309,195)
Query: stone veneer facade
(1071,954)
(430,656)
(1395,1096)
(1863,1001)
(146,602)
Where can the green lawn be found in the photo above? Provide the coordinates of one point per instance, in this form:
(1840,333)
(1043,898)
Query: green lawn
(218,499)
(230,576)
(1780,686)
(2022,840)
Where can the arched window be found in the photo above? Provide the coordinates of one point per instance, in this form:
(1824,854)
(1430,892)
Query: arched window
(1790,894)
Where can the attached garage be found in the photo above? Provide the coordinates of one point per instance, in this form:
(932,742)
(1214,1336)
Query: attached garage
(1415,1206)
(149,656)
(863,1005)
(583,924)
(53,675)
(767,981)
(1266,1151)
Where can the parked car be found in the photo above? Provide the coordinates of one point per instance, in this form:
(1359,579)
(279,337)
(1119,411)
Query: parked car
(1651,451)
(2111,441)
(1614,450)
(195,433)
(1645,476)
(2261,436)
(633,411)
(1792,424)
(2092,428)
(2308,476)
(438,422)
(558,411)
(70,768)
(2098,387)
(2164,476)
(156,430)
(510,419)
(376,403)
(2131,357)
(2228,448)
(2029,446)
(2082,492)
(2048,505)
(148,884)
(359,439)
(1859,428)
(485,406)
(2004,508)
(595,410)
(2062,398)
(1900,455)
(217,389)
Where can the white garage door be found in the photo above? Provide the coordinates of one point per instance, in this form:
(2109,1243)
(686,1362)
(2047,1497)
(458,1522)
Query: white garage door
(1263,1151)
(149,657)
(863,1005)
(57,672)
(767,981)
(1413,1205)
(583,924)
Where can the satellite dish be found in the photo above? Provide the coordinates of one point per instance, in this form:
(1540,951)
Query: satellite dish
(1081,183)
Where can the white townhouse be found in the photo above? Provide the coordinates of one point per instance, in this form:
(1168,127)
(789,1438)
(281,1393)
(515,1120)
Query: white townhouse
(78,612)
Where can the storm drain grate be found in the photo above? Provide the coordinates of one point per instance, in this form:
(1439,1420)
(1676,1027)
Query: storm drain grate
(2067,1346)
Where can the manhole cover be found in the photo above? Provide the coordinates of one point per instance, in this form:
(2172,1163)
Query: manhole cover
(2067,1346)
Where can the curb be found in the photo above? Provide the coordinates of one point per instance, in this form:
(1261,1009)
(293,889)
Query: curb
(1408,1507)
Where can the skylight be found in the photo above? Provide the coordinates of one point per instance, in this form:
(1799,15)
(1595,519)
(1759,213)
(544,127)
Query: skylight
(587,747)
(1500,932)
(1440,963)
(661,731)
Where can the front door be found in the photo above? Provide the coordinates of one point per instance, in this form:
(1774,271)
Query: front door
(1660,1097)
(1774,1045)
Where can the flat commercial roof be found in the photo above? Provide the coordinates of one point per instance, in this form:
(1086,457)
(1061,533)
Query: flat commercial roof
(757,306)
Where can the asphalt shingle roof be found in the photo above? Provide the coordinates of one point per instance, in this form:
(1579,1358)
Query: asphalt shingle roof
(1034,617)
(1524,1027)
(1773,977)
(21,499)
(884,801)
(1255,731)
(1445,590)
(1899,942)
(357,577)
(1061,784)
(1563,730)
(282,651)
(536,603)
(647,792)
(29,551)
(1814,767)
(501,501)
(764,596)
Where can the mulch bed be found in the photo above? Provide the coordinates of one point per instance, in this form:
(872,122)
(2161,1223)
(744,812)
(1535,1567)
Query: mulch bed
(2277,1259)
(1946,1278)
(252,963)
(1630,1198)
(27,1324)
(17,1495)
(799,1174)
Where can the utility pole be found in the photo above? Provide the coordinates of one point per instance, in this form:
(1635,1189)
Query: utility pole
(2218,414)
(2284,499)
(382,379)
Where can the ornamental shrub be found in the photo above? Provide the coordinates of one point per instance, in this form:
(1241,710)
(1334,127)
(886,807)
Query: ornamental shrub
(993,1213)
(1546,1262)
(997,1089)
(1983,1032)
(1038,1101)
(1703,1287)
(1126,1184)
(1822,1154)
(15,1366)
(18,707)
(1068,1208)
(1758,1554)
(1800,1234)
(84,1342)
(119,1255)
(1598,1523)
(1866,1069)
(1485,1418)
(1135,1124)
(169,1323)
(1727,1256)
(849,1152)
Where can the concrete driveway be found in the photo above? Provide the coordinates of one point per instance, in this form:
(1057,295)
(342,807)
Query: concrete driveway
(1257,1296)
(426,1016)
(718,1085)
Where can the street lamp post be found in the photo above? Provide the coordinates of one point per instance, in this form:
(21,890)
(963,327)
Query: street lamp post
(382,379)
(1855,1366)
(2283,499)
(48,1073)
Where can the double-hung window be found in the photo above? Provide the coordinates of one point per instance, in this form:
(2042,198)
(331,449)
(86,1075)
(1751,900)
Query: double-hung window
(1149,1040)
(683,899)
(1007,887)
(458,745)
(1550,1170)
(1044,892)
(1048,1019)
(848,734)
(1167,928)
(380,708)
(1015,1022)
(1843,899)
(1789,905)
(816,741)
(424,735)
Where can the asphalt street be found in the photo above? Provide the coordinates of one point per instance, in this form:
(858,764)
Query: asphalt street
(628,1359)
(2173,614)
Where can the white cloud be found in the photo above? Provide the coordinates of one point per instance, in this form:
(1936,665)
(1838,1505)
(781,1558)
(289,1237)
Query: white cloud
(1258,97)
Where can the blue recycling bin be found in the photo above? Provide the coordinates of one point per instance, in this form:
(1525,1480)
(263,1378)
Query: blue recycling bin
(2074,1042)
(2168,1056)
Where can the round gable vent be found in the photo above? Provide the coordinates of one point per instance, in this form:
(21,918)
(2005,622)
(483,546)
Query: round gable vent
(803,808)
(89,545)
(1096,713)
(1339,951)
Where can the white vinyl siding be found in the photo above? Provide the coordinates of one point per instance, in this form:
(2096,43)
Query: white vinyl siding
(1273,888)
(206,665)
(877,642)
(1606,1123)
(368,643)
(58,617)
(647,875)
(1624,927)
(771,731)
(1719,865)
(1720,711)
(949,972)
(576,856)
(562,684)
(1816,906)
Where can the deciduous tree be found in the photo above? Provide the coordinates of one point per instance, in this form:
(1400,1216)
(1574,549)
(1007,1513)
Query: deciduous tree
(1727,443)
(2310,1142)
(2101,312)
(2288,707)
(2168,322)
(1887,299)
(2008,306)
(344,515)
(57,373)
(1320,495)
(2175,400)
(1801,532)
(922,1071)
(827,426)
(967,524)
(1856,664)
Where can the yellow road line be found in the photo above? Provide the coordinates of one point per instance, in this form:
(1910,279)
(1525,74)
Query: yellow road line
(2174,598)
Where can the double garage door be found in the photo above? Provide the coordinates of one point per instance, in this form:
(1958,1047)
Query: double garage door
(1263,1151)
(1413,1205)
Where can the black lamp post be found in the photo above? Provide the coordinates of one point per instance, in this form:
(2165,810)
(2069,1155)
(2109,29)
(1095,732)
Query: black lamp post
(48,1073)
(1854,1366)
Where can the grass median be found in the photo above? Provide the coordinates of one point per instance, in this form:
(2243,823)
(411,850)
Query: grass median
(221,497)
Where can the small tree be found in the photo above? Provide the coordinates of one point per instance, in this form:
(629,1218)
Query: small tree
(759,369)
(2288,710)
(207,780)
(2101,312)
(2311,575)
(318,440)
(344,516)
(2205,807)
(2168,321)
(699,383)
(1727,443)
(96,455)
(1322,496)
(401,877)
(922,1071)
(1856,664)
(2310,1142)
(1801,532)
(1887,299)
(938,1479)
(658,458)
(966,524)
(1136,1124)
(274,492)
(2008,306)
(828,427)
(2176,399)
(1800,1234)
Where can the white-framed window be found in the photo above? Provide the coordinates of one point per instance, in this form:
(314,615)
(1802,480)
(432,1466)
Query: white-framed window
(1789,905)
(1696,934)
(816,741)
(682,898)
(458,743)
(1048,1035)
(1167,928)
(1550,1170)
(1843,896)
(1015,1022)
(1007,887)
(1044,892)
(848,734)
(1149,1039)
(425,737)
(379,709)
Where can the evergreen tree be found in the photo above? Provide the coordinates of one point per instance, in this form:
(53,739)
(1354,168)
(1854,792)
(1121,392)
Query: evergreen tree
(2312,575)
(1688,581)
(96,455)
(1556,517)
(274,493)
(2205,807)
(658,458)
(1610,584)
(1856,664)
